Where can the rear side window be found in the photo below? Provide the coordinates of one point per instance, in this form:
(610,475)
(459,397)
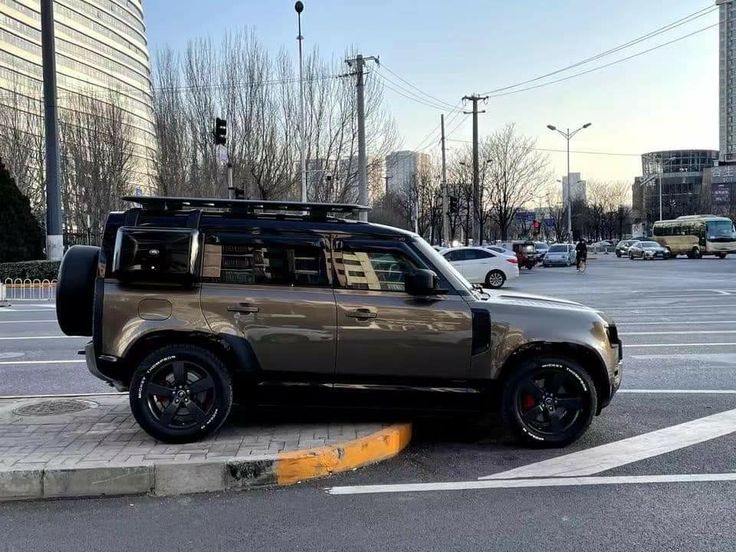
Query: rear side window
(380,270)
(476,254)
(252,260)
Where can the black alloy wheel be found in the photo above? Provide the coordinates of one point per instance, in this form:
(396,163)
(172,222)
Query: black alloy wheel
(550,402)
(181,393)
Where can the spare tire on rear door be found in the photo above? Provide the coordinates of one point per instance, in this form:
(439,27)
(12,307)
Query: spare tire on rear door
(75,290)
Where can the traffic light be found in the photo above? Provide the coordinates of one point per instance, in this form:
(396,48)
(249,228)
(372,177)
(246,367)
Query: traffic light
(220,132)
(454,204)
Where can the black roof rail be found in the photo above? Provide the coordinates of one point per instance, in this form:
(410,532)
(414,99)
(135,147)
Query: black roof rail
(246,206)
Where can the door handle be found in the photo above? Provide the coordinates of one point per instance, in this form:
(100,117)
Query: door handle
(243,308)
(361,314)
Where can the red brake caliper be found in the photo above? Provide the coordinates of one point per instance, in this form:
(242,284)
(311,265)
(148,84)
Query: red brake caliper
(527,401)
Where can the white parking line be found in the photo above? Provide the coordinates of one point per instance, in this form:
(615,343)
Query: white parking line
(26,362)
(674,345)
(24,321)
(725,358)
(626,451)
(41,337)
(680,391)
(689,332)
(529,483)
(688,321)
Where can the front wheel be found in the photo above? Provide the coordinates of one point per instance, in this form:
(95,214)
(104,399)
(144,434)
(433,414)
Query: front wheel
(495,279)
(549,401)
(722,255)
(631,256)
(618,254)
(181,393)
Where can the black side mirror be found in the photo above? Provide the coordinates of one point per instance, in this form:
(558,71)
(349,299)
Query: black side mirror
(421,282)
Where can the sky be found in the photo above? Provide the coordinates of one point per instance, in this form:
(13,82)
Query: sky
(665,99)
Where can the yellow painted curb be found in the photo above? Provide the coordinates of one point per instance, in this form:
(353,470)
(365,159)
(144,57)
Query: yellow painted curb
(292,467)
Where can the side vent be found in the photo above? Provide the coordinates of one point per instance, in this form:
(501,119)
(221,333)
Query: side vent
(481,331)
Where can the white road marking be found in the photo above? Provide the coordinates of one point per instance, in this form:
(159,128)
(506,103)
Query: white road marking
(689,332)
(60,395)
(688,322)
(724,344)
(681,391)
(527,483)
(727,358)
(41,337)
(24,321)
(11,309)
(619,453)
(17,362)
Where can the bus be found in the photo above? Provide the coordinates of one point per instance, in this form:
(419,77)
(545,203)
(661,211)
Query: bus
(696,235)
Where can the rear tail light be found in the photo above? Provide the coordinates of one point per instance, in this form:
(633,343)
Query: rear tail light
(512,260)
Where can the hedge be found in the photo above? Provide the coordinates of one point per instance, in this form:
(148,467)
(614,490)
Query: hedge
(29,270)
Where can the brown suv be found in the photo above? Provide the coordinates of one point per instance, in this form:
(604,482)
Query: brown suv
(194,303)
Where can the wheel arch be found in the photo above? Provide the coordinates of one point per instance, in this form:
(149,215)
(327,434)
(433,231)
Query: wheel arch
(235,352)
(588,358)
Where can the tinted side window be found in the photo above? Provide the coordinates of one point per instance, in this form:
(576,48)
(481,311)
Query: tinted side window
(372,270)
(457,255)
(243,259)
(475,254)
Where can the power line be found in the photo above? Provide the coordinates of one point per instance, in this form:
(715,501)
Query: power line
(436,100)
(605,65)
(683,21)
(613,153)
(406,93)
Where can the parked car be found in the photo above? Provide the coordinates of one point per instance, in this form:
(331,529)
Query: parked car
(622,247)
(603,246)
(525,252)
(647,250)
(501,250)
(480,266)
(192,304)
(541,249)
(560,254)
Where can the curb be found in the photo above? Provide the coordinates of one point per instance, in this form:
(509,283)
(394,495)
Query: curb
(165,479)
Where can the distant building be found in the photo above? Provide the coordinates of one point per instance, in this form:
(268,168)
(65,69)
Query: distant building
(402,167)
(681,173)
(727,74)
(578,189)
(100,46)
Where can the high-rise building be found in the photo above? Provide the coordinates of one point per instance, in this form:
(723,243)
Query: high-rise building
(402,167)
(727,80)
(101,50)
(577,191)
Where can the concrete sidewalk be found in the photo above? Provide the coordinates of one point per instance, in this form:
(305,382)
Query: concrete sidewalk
(92,446)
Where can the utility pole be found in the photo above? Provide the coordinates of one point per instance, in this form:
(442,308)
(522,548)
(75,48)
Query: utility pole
(359,62)
(386,179)
(299,8)
(445,206)
(54,235)
(476,168)
(230,188)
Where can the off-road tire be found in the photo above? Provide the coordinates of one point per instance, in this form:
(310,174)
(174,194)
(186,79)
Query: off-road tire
(580,385)
(75,290)
(150,409)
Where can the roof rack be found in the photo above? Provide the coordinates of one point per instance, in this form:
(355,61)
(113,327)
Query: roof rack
(246,206)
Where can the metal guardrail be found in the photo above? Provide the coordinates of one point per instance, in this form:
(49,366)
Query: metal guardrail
(19,289)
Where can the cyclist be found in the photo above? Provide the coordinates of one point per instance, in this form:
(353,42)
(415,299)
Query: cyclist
(581,253)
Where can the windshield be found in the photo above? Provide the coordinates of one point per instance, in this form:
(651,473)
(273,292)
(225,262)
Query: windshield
(441,263)
(648,244)
(557,249)
(720,229)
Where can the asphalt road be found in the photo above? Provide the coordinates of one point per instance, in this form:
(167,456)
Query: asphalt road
(678,322)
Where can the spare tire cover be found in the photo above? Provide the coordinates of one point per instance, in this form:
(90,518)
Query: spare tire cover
(75,290)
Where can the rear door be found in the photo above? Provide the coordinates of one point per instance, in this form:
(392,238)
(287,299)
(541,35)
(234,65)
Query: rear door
(384,331)
(459,260)
(274,294)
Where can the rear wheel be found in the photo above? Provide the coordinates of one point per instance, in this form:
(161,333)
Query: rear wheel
(495,279)
(181,393)
(695,253)
(549,401)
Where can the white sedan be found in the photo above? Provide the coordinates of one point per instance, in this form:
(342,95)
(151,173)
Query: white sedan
(481,266)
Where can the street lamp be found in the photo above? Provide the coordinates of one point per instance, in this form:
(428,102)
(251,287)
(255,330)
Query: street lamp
(567,135)
(299,8)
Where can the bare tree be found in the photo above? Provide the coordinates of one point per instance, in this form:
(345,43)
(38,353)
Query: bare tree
(96,158)
(516,173)
(257,93)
